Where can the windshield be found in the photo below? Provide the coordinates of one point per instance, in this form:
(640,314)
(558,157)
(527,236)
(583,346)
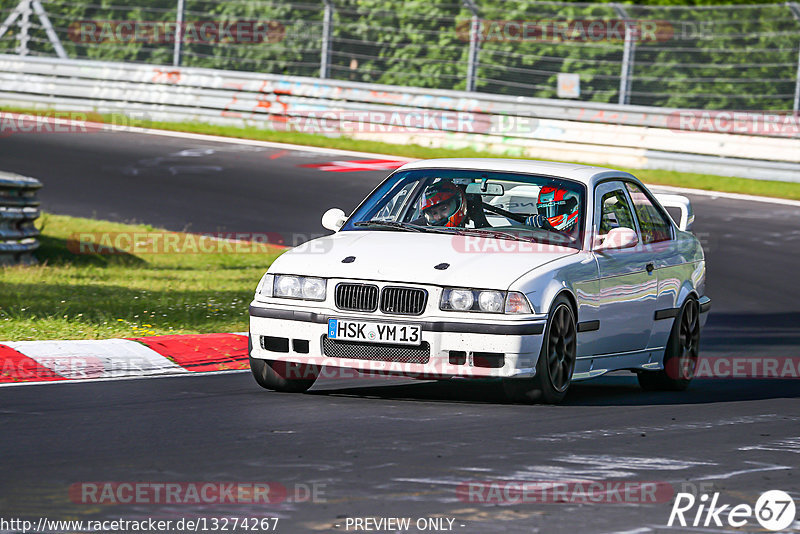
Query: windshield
(524,207)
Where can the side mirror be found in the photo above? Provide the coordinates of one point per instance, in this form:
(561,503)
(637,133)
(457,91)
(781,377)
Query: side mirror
(334,219)
(618,238)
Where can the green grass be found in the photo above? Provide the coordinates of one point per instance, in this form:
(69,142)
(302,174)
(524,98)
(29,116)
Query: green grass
(92,296)
(707,182)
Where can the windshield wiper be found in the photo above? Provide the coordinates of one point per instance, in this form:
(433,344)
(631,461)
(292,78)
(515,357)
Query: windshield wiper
(390,224)
(407,226)
(441,230)
(498,234)
(493,233)
(480,232)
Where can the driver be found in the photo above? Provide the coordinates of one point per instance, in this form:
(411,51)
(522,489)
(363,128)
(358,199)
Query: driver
(558,210)
(443,204)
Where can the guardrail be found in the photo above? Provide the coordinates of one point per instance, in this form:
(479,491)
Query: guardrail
(708,56)
(18,211)
(607,134)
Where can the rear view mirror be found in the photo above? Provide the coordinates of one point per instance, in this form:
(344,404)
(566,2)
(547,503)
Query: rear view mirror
(334,219)
(492,190)
(618,238)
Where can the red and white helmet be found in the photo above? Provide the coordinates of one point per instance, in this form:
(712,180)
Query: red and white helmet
(560,206)
(444,204)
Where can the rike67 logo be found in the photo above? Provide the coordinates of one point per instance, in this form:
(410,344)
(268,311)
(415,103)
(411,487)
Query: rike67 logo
(774,510)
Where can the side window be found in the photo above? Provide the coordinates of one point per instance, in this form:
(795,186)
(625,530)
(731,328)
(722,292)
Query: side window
(616,212)
(655,227)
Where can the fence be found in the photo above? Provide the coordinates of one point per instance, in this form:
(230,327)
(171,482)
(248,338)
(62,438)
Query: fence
(744,57)
(18,211)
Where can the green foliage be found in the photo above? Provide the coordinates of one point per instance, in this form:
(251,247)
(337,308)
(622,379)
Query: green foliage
(93,296)
(712,55)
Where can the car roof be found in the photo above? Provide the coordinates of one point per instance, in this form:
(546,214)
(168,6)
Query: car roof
(586,174)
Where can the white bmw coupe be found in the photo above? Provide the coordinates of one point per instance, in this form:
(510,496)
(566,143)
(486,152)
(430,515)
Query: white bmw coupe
(534,273)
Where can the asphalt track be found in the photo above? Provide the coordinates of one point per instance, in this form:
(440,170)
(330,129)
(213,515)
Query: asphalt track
(393,448)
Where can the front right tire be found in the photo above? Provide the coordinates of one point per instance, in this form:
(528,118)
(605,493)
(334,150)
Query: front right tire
(286,377)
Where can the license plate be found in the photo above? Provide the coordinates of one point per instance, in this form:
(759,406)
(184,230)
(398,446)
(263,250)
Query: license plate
(369,332)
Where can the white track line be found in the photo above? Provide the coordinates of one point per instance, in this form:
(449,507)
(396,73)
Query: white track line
(92,359)
(255,142)
(208,137)
(372,155)
(100,360)
(111,379)
(743,472)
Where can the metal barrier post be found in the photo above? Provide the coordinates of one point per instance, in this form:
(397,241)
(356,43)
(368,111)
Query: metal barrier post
(48,28)
(18,210)
(474,36)
(23,10)
(795,8)
(10,19)
(628,54)
(176,51)
(327,31)
(24,27)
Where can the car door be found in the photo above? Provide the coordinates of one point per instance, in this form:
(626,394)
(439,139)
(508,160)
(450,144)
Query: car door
(628,284)
(658,237)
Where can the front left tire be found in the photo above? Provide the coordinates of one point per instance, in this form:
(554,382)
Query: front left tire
(556,361)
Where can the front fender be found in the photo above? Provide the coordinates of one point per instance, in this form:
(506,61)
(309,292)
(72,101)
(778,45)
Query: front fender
(694,285)
(576,275)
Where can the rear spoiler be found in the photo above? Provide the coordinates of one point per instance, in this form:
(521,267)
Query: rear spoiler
(683,204)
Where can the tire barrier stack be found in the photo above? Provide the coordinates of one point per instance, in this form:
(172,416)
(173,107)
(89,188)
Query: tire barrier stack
(18,211)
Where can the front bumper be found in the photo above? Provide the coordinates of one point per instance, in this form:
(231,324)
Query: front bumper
(450,348)
(705,307)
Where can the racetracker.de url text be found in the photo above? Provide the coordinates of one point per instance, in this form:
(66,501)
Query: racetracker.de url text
(195,524)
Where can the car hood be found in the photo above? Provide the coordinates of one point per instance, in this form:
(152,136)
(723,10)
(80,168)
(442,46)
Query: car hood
(412,258)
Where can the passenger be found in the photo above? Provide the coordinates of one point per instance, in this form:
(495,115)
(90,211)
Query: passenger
(558,210)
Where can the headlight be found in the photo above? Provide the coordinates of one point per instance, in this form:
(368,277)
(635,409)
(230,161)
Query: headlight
(299,287)
(288,286)
(461,299)
(491,301)
(314,288)
(483,300)
(265,285)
